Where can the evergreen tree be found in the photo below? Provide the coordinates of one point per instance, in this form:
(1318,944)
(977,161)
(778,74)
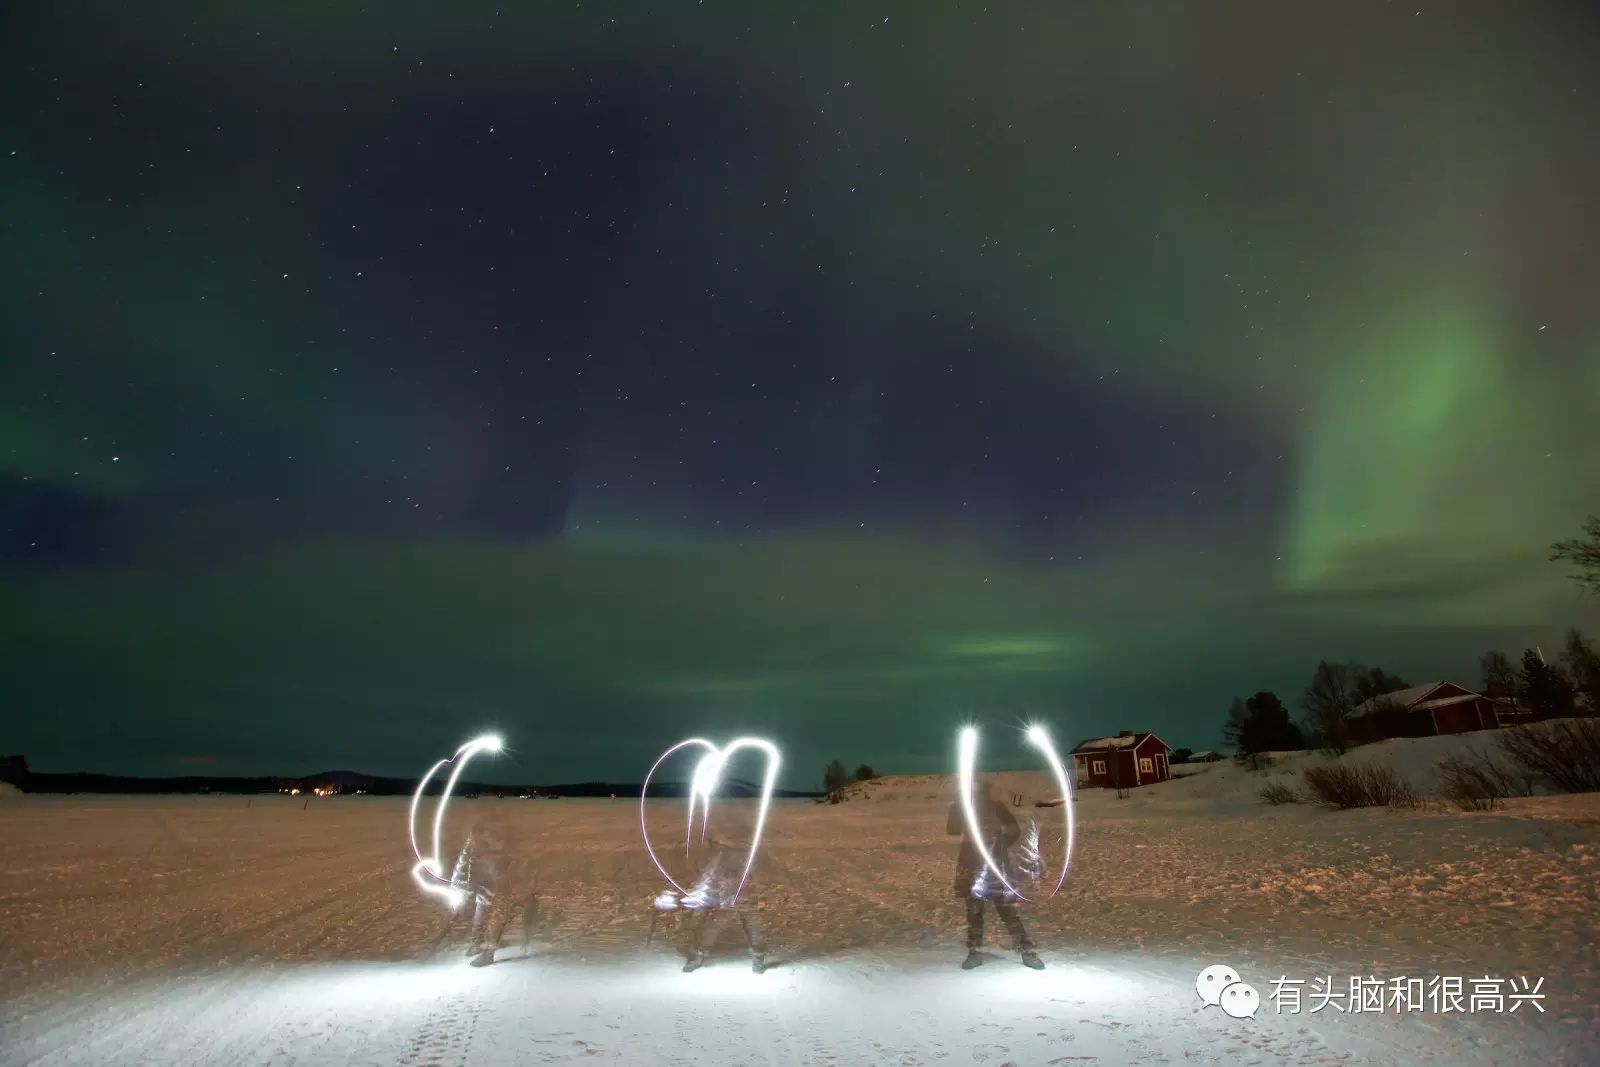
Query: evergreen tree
(1543,688)
(1259,725)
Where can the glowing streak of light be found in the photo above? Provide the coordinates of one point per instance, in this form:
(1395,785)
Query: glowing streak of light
(702,785)
(427,872)
(645,789)
(1039,739)
(966,763)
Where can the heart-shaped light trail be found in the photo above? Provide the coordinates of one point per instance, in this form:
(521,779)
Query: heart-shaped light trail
(966,763)
(427,872)
(702,785)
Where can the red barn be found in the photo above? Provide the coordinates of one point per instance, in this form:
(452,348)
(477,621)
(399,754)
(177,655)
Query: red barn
(1424,710)
(1124,761)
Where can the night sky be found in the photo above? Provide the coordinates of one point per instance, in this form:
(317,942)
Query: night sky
(607,373)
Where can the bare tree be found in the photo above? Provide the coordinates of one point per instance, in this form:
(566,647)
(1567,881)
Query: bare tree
(1369,682)
(1233,727)
(834,778)
(1583,667)
(1328,702)
(1583,552)
(1499,675)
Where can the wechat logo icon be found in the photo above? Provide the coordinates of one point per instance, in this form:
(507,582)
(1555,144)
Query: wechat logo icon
(1219,986)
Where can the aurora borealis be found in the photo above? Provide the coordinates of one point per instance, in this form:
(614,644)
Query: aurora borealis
(602,372)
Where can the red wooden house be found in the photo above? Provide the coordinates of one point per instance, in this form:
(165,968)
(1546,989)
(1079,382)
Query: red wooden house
(1424,710)
(1123,761)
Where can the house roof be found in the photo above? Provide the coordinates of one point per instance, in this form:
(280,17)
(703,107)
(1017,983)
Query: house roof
(1415,697)
(1107,744)
(1400,698)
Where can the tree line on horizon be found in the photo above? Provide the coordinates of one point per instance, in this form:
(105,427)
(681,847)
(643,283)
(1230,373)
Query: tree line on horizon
(835,777)
(1261,723)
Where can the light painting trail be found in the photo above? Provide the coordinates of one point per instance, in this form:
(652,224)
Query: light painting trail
(427,872)
(966,764)
(702,786)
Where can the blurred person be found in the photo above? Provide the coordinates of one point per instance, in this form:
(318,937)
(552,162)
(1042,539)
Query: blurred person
(715,891)
(975,883)
(496,878)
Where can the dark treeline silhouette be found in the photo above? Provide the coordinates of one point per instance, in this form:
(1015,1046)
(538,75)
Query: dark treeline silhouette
(1569,686)
(1546,690)
(1549,690)
(349,782)
(835,777)
(1336,690)
(1259,725)
(14,770)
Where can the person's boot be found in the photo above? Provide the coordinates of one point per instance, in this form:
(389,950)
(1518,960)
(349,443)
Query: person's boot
(973,960)
(693,962)
(1030,958)
(484,958)
(758,962)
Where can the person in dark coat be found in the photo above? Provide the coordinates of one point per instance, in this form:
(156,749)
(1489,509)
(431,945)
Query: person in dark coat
(975,883)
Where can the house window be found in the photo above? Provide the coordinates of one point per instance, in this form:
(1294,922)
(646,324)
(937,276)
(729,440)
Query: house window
(1145,766)
(1097,767)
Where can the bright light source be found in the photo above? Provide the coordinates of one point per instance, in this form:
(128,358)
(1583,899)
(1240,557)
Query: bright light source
(966,765)
(428,873)
(702,785)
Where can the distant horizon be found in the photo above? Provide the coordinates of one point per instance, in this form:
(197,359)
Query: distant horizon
(391,784)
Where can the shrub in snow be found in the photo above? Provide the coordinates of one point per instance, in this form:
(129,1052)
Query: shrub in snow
(1258,761)
(1474,781)
(1343,786)
(1278,793)
(1565,754)
(1388,788)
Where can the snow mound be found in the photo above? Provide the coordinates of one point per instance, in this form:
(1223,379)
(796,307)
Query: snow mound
(1222,788)
(9,790)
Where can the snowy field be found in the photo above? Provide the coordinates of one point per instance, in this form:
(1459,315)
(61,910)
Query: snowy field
(203,930)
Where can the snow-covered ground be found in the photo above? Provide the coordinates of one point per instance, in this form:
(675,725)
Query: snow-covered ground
(187,930)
